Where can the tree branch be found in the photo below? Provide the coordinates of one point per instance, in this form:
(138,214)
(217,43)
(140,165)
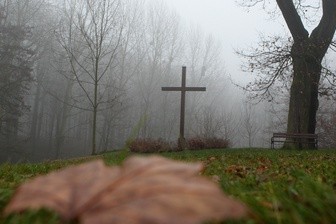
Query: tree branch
(293,20)
(323,34)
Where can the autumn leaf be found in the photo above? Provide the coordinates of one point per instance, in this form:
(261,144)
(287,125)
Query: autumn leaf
(262,168)
(143,190)
(240,171)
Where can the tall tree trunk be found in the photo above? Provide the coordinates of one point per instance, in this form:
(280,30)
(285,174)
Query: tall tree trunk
(95,109)
(307,54)
(94,127)
(303,104)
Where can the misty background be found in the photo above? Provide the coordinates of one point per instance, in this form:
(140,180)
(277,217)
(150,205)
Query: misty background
(70,67)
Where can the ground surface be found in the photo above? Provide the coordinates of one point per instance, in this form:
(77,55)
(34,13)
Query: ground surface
(278,186)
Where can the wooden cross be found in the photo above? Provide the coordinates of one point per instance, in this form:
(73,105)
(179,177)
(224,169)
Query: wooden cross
(183,89)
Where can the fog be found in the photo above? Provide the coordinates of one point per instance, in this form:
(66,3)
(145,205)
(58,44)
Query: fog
(83,77)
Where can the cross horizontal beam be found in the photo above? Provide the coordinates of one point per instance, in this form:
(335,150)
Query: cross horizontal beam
(183,89)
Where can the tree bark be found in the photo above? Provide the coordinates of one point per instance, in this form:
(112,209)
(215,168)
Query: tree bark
(303,104)
(95,108)
(307,54)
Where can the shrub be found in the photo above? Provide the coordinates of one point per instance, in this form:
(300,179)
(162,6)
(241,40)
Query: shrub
(217,143)
(198,143)
(150,145)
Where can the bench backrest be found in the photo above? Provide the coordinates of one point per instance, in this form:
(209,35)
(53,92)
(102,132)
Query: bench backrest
(295,135)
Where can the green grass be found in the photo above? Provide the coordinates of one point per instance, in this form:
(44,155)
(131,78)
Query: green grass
(278,186)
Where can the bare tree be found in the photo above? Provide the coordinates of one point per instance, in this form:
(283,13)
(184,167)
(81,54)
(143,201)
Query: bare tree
(129,60)
(250,124)
(302,56)
(210,122)
(44,23)
(68,36)
(162,47)
(206,68)
(99,29)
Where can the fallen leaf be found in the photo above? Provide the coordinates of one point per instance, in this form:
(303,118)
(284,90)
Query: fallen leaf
(240,171)
(144,190)
(262,168)
(215,178)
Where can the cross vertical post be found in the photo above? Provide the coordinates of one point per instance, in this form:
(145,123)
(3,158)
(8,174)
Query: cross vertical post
(181,140)
(183,89)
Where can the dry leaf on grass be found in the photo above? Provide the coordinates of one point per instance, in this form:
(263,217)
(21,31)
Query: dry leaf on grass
(143,190)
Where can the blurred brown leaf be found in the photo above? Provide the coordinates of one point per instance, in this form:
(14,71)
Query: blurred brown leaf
(143,190)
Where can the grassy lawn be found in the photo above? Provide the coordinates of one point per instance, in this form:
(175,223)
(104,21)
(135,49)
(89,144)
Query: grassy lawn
(278,186)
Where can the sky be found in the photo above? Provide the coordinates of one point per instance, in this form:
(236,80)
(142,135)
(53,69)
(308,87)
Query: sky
(235,26)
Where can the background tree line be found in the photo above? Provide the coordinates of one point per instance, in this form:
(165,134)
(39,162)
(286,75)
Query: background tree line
(87,72)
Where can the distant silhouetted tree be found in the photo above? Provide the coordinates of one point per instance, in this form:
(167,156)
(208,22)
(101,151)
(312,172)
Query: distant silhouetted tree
(16,61)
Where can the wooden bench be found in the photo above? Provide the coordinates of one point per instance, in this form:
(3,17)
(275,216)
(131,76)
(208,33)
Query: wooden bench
(294,138)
